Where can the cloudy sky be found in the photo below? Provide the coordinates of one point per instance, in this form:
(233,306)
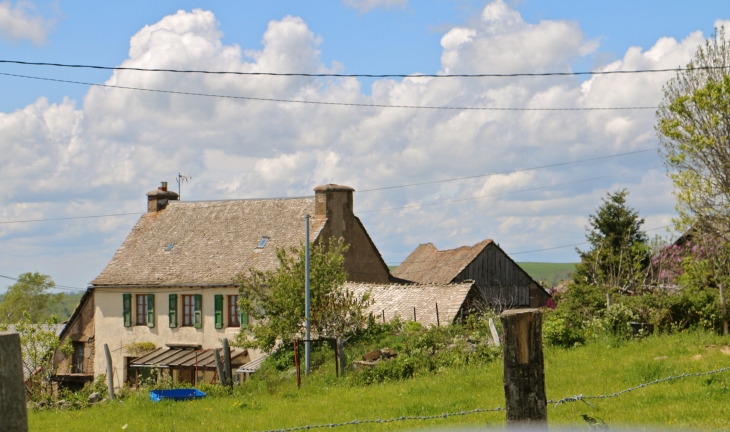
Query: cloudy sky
(69,150)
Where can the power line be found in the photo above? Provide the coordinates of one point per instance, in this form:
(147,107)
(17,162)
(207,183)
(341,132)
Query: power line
(507,172)
(62,287)
(68,218)
(336,75)
(483,196)
(326,103)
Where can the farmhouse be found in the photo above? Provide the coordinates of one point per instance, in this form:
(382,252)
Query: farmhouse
(170,284)
(502,283)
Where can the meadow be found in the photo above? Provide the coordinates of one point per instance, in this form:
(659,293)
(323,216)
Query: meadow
(599,367)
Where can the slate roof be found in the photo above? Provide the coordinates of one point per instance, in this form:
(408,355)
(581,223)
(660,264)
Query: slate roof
(39,346)
(395,299)
(212,241)
(427,264)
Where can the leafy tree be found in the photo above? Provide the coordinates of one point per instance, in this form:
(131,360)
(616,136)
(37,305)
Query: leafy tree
(275,300)
(619,250)
(693,124)
(28,295)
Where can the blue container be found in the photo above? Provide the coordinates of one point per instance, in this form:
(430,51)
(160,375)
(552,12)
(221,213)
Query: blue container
(176,394)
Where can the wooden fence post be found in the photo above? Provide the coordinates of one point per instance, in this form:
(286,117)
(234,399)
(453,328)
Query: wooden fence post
(109,372)
(493,330)
(219,367)
(296,363)
(438,322)
(524,371)
(13,414)
(227,362)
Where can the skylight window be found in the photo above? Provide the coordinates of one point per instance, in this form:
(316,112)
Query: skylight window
(263,242)
(170,246)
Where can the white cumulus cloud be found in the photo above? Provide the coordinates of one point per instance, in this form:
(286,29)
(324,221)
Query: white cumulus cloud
(102,154)
(21,21)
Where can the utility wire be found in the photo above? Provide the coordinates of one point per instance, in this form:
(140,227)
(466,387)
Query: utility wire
(68,218)
(336,75)
(327,103)
(62,287)
(506,172)
(483,196)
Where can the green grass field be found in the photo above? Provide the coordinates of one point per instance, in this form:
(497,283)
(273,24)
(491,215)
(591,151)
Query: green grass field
(552,273)
(597,368)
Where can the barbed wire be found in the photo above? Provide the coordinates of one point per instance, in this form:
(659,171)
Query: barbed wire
(576,398)
(581,398)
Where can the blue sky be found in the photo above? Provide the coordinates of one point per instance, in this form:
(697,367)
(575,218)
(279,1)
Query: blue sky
(67,150)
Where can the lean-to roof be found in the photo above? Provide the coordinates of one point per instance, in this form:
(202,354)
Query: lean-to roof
(427,264)
(208,242)
(393,299)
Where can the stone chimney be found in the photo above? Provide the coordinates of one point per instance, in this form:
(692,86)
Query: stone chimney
(157,199)
(334,202)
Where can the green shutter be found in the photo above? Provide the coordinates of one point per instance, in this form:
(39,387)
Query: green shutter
(198,319)
(150,310)
(218,311)
(127,309)
(172,310)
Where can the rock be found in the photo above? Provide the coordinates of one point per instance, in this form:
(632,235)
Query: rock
(372,356)
(42,403)
(77,404)
(661,358)
(388,353)
(357,365)
(725,350)
(61,403)
(709,346)
(697,357)
(94,397)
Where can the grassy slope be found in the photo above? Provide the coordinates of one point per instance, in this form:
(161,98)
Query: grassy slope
(65,307)
(699,403)
(550,272)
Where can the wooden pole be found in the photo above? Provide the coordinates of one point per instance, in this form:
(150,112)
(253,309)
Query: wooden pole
(414,314)
(438,323)
(723,304)
(524,372)
(383,316)
(109,372)
(219,367)
(227,362)
(13,413)
(296,363)
(493,330)
(341,355)
(337,360)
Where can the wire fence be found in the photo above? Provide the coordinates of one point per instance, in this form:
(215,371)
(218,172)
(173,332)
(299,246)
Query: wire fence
(576,398)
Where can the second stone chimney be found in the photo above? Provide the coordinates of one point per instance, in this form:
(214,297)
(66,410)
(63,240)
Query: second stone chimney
(333,202)
(157,199)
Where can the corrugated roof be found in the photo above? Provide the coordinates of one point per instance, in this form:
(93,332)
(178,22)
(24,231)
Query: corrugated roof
(182,357)
(427,264)
(211,241)
(40,345)
(253,365)
(393,299)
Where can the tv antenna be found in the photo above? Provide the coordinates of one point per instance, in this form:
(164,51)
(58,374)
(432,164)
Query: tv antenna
(180,180)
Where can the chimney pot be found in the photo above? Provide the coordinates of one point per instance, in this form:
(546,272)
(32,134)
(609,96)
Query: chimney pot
(157,199)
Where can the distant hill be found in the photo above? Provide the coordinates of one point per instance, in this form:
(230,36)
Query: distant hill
(65,307)
(551,273)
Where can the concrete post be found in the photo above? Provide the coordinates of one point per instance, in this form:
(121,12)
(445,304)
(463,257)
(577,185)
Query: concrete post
(109,372)
(13,414)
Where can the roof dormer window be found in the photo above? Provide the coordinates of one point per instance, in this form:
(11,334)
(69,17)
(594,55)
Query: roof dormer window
(263,242)
(170,246)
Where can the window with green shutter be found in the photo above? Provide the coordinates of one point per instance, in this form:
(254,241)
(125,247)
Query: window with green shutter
(127,309)
(218,311)
(198,323)
(172,310)
(150,310)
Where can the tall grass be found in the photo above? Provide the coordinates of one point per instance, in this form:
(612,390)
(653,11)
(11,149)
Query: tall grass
(600,367)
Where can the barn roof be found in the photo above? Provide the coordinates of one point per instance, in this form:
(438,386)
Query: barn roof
(395,299)
(208,242)
(427,264)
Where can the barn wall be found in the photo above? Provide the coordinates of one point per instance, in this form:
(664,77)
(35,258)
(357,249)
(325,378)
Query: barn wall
(501,281)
